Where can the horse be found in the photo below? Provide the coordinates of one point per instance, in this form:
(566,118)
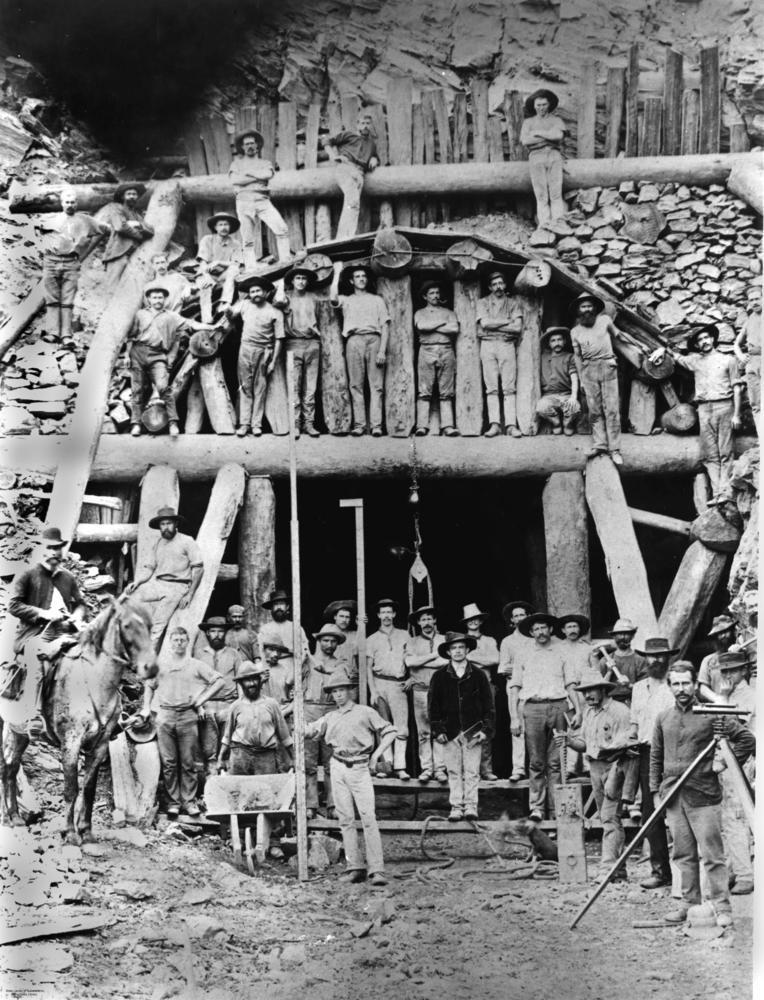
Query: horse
(81,706)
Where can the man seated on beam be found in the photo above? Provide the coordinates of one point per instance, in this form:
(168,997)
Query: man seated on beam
(355,154)
(249,174)
(220,257)
(436,328)
(558,404)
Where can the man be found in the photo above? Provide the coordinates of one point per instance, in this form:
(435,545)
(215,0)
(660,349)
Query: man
(722,634)
(747,349)
(421,659)
(386,672)
(694,814)
(350,732)
(316,672)
(178,288)
(47,601)
(154,340)
(220,255)
(486,656)
(177,694)
(249,175)
(718,395)
(513,645)
(341,614)
(499,326)
(128,229)
(617,661)
(570,630)
(436,329)
(598,371)
(255,729)
(542,134)
(303,342)
(355,154)
(172,573)
(262,334)
(68,238)
(544,678)
(462,716)
(224,660)
(605,739)
(736,833)
(281,627)
(558,404)
(650,696)
(278,683)
(238,636)
(365,329)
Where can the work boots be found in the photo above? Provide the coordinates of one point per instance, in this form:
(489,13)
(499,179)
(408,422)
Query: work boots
(447,427)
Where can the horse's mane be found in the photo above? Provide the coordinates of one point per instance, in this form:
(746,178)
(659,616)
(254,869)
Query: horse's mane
(93,635)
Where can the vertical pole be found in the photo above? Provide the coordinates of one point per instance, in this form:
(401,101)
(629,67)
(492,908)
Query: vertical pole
(299,712)
(360,574)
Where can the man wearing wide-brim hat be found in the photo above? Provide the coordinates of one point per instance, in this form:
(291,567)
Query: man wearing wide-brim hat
(365,330)
(422,659)
(617,661)
(542,133)
(558,404)
(462,716)
(128,229)
(386,677)
(224,660)
(545,679)
(255,730)
(722,633)
(513,645)
(436,328)
(303,342)
(606,739)
(486,656)
(718,397)
(249,175)
(281,627)
(220,257)
(172,573)
(341,614)
(499,325)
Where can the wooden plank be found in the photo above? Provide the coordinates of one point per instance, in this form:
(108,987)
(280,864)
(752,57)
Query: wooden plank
(216,142)
(672,103)
(710,100)
(495,139)
(335,391)
(632,100)
(528,364)
(566,534)
(642,402)
(286,159)
(417,156)
(513,116)
(428,136)
(311,160)
(385,208)
(739,141)
(651,124)
(614,95)
(350,106)
(267,123)
(571,851)
(479,94)
(400,390)
(276,403)
(695,583)
(461,130)
(469,378)
(217,400)
(399,128)
(159,488)
(440,110)
(587,110)
(124,792)
(194,406)
(257,549)
(146,769)
(197,164)
(690,122)
(67,923)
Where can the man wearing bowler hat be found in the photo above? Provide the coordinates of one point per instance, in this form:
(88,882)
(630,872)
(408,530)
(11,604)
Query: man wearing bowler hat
(386,672)
(249,174)
(718,396)
(486,656)
(542,134)
(545,679)
(262,334)
(355,153)
(281,627)
(238,635)
(617,661)
(220,255)
(365,330)
(128,229)
(255,730)
(172,573)
(512,646)
(422,659)
(499,326)
(722,634)
(303,342)
(436,328)
(558,404)
(224,660)
(462,717)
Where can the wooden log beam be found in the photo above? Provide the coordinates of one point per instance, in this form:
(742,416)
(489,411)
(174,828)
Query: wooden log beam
(217,401)
(623,559)
(335,393)
(528,364)
(587,109)
(632,99)
(642,406)
(257,548)
(697,578)
(469,378)
(710,100)
(746,181)
(20,318)
(662,521)
(400,391)
(566,534)
(508,177)
(614,93)
(672,103)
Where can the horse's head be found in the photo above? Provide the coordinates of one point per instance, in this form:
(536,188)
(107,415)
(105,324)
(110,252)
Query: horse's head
(135,630)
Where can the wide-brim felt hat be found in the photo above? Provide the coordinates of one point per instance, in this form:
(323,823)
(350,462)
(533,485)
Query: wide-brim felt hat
(431,284)
(591,683)
(581,620)
(156,286)
(223,217)
(52,536)
(587,297)
(470,611)
(276,595)
(732,661)
(140,731)
(451,637)
(425,609)
(384,602)
(166,514)
(540,617)
(346,275)
(247,669)
(623,625)
(543,92)
(722,623)
(331,609)
(237,139)
(330,631)
(247,281)
(339,678)
(281,649)
(563,330)
(122,189)
(710,328)
(657,647)
(306,272)
(217,621)
(506,611)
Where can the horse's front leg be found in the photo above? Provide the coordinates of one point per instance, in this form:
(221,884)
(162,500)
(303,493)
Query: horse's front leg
(84,811)
(13,747)
(70,752)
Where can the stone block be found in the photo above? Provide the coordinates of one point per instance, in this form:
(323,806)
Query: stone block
(709,271)
(48,394)
(648,192)
(688,260)
(670,312)
(737,260)
(542,238)
(48,411)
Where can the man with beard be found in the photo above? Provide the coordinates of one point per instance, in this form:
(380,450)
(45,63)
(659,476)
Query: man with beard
(385,650)
(238,636)
(499,326)
(255,730)
(128,229)
(617,661)
(486,656)
(558,404)
(512,646)
(224,660)
(171,575)
(650,696)
(282,627)
(355,154)
(694,814)
(722,634)
(249,174)
(422,660)
(262,335)
(341,614)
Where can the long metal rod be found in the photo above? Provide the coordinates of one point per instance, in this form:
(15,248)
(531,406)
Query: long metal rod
(648,825)
(299,711)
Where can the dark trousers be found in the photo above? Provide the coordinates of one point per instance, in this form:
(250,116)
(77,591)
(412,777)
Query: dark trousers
(656,838)
(541,718)
(246,760)
(149,370)
(178,740)
(212,727)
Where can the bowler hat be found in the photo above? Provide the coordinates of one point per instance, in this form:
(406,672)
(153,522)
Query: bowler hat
(201,345)
(52,537)
(306,272)
(506,611)
(247,669)
(732,661)
(165,514)
(156,286)
(330,631)
(384,602)
(240,136)
(425,609)
(430,284)
(247,281)
(215,622)
(223,217)
(539,618)
(451,637)
(339,679)
(710,328)
(122,189)
(657,647)
(595,681)
(276,595)
(623,625)
(331,609)
(581,620)
(722,623)
(473,611)
(548,94)
(550,330)
(587,297)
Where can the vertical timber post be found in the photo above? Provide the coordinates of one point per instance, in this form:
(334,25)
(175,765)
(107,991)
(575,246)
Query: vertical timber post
(360,570)
(257,548)
(567,545)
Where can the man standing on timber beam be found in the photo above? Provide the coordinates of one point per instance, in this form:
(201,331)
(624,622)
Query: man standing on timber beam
(513,645)
(220,255)
(171,575)
(355,154)
(365,328)
(436,328)
(262,334)
(422,659)
(499,325)
(598,370)
(128,229)
(694,815)
(385,651)
(486,656)
(249,175)
(303,342)
(558,404)
(179,288)
(68,238)
(542,133)
(718,395)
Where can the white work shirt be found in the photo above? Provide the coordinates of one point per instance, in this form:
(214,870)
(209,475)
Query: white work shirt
(649,697)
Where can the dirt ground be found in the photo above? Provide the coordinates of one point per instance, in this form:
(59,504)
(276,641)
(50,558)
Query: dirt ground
(183,921)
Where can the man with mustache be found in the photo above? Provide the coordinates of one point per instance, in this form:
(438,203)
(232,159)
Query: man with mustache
(422,660)
(128,229)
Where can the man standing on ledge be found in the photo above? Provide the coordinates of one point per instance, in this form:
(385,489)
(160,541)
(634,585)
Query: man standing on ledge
(262,334)
(249,175)
(355,154)
(542,133)
(499,325)
(436,328)
(128,229)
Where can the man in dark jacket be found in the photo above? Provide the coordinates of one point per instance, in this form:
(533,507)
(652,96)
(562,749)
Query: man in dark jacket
(461,717)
